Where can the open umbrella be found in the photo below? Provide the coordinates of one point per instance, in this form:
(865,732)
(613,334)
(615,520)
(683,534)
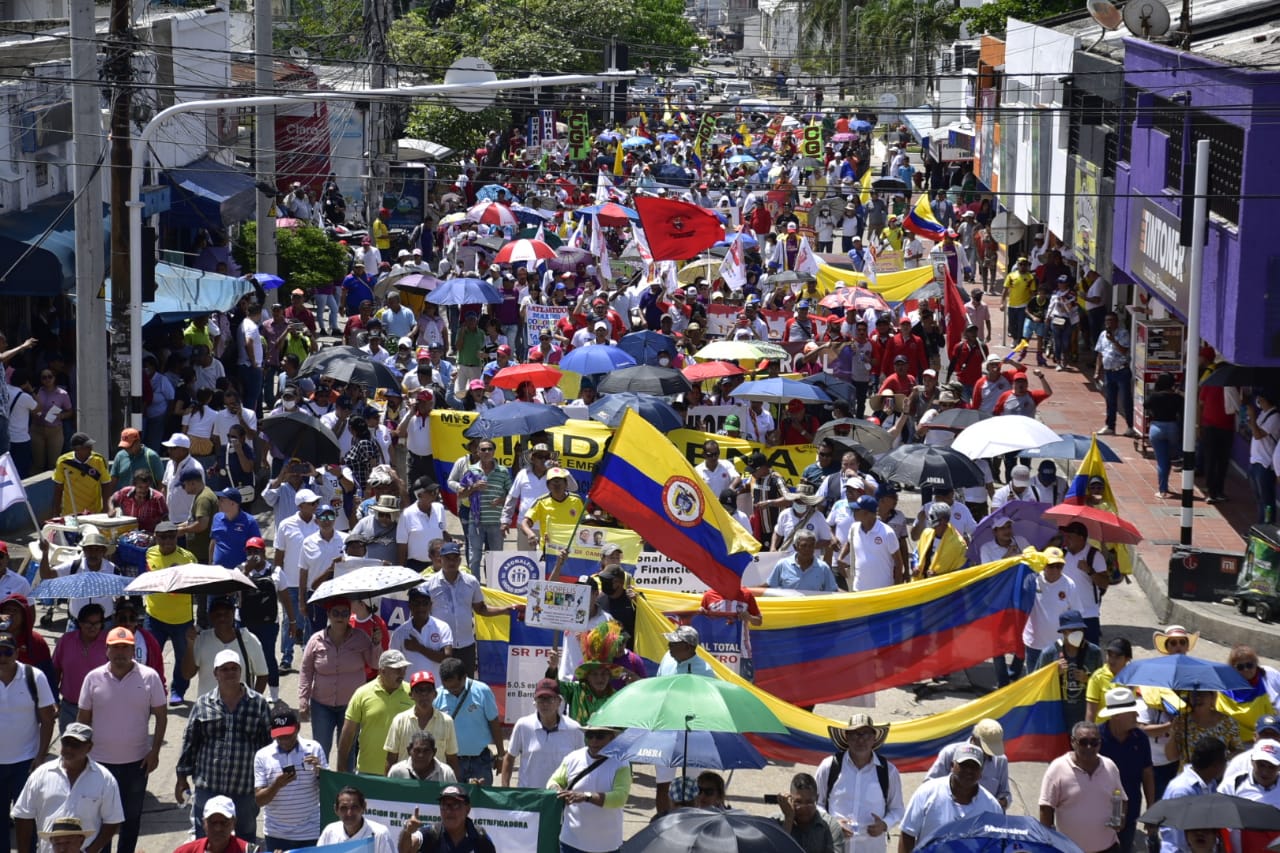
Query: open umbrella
(707,268)
(633,142)
(855,298)
(1028,522)
(749,240)
(864,453)
(301,435)
(541,375)
(491,213)
(1236,375)
(668,748)
(1182,672)
(524,252)
(741,350)
(367,582)
(888,185)
(193,579)
(515,419)
(493,242)
(1102,525)
(611,214)
(347,365)
(873,435)
(959,419)
(923,465)
(646,346)
(789,277)
(836,389)
(269,281)
(645,379)
(1001,435)
(843,137)
(712,831)
(464,291)
(595,359)
(860,125)
(998,833)
(610,409)
(418,281)
(1212,811)
(568,257)
(82,585)
(742,160)
(685,701)
(1068,446)
(711,370)
(778,389)
(489,192)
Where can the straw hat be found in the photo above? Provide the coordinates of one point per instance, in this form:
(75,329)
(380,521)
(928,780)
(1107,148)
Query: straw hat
(840,736)
(1161,638)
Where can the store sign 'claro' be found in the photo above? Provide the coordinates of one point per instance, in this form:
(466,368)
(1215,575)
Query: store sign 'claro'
(1156,256)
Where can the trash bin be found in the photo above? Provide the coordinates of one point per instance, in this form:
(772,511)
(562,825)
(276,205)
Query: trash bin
(1197,574)
(1259,587)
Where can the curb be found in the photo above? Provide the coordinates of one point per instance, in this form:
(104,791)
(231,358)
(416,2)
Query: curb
(1220,622)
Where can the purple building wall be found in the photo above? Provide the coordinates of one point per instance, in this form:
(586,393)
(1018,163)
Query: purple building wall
(1240,301)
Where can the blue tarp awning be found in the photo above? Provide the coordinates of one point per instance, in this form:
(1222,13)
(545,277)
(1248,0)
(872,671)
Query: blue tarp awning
(207,194)
(50,268)
(920,122)
(183,292)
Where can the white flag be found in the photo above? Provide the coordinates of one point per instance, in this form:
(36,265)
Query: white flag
(600,249)
(806,262)
(11,488)
(642,244)
(604,188)
(577,240)
(733,268)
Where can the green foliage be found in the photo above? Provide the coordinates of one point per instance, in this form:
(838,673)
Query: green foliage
(993,17)
(880,33)
(305,255)
(454,128)
(333,29)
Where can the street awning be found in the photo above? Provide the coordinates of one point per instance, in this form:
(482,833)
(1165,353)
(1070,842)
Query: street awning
(38,248)
(183,292)
(411,150)
(919,121)
(207,194)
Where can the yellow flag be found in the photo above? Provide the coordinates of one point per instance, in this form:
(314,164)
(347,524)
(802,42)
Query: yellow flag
(865,194)
(617,158)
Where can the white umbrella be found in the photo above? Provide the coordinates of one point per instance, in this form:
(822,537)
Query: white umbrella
(1002,434)
(368,582)
(193,579)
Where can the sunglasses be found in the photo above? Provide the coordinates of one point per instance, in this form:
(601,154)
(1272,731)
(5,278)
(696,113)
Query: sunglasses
(596,735)
(7,651)
(341,612)
(1089,741)
(1244,667)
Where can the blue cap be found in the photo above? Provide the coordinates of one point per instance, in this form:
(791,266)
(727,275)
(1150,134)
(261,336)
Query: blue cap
(450,548)
(1267,721)
(887,490)
(803,303)
(230,494)
(1070,620)
(868,503)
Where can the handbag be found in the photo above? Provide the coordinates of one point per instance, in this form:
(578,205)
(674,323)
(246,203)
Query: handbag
(201,445)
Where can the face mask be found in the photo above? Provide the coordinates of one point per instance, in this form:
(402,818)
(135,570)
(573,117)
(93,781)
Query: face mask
(1046,478)
(290,405)
(1075,638)
(663,361)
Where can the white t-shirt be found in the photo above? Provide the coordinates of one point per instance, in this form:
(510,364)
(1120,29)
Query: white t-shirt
(789,517)
(1261,449)
(417,529)
(18,717)
(252,335)
(1051,600)
(225,420)
(382,840)
(993,550)
(289,537)
(207,647)
(932,807)
(540,750)
(872,555)
(318,554)
(435,635)
(719,477)
(294,812)
(21,405)
(1090,602)
(200,424)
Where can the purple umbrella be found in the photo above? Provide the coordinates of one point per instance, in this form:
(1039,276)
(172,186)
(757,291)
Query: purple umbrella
(1028,522)
(568,257)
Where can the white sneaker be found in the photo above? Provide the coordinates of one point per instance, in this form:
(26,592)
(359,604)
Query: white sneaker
(1106,431)
(1131,433)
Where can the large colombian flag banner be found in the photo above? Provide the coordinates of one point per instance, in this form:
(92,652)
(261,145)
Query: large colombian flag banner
(646,484)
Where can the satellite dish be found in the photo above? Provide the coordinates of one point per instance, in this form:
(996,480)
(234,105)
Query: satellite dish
(470,69)
(1146,18)
(301,55)
(1006,228)
(1105,13)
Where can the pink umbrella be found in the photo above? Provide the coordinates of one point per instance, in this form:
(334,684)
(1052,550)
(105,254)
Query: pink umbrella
(288,222)
(856,298)
(492,213)
(844,137)
(524,251)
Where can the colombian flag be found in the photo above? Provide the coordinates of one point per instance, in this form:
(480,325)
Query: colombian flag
(919,221)
(646,484)
(1091,466)
(864,194)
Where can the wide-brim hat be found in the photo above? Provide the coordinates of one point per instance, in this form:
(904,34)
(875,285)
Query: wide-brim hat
(805,494)
(1160,638)
(840,735)
(587,666)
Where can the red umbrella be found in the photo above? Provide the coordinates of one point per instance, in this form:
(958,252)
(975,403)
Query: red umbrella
(491,213)
(711,370)
(523,251)
(541,375)
(856,298)
(1104,526)
(613,215)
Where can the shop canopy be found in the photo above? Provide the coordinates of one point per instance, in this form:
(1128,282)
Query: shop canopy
(208,194)
(38,248)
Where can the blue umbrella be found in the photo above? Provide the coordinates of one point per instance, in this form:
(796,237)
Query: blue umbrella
(490,193)
(740,159)
(464,291)
(779,389)
(610,409)
(595,359)
(748,240)
(674,748)
(82,585)
(1071,446)
(670,173)
(668,137)
(609,136)
(1182,672)
(269,281)
(1028,522)
(993,832)
(632,142)
(531,215)
(515,419)
(646,346)
(860,125)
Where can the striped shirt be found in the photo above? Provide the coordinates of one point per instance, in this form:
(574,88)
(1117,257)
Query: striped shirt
(219,744)
(294,812)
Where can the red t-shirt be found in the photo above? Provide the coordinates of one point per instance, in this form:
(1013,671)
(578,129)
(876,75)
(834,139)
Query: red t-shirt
(898,384)
(1213,412)
(716,605)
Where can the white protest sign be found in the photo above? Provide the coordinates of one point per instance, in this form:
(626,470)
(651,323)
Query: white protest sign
(558,606)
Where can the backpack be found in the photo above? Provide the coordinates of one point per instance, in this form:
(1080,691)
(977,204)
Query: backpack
(1111,561)
(882,775)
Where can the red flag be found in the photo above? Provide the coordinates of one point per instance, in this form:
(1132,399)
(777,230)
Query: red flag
(677,230)
(954,306)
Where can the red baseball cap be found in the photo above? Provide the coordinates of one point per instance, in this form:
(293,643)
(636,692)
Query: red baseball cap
(255,542)
(423,677)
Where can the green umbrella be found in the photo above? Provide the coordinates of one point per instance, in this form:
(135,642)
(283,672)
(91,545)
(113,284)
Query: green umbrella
(687,702)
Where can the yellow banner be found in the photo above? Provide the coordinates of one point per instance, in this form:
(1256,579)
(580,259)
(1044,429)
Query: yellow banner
(893,286)
(789,460)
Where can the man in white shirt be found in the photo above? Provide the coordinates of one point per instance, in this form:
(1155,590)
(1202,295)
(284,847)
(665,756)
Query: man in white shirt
(859,787)
(250,361)
(1004,542)
(1055,593)
(320,552)
(757,423)
(1087,566)
(804,513)
(874,557)
(714,471)
(529,485)
(1017,489)
(286,782)
(424,639)
(421,523)
(944,800)
(682,654)
(290,534)
(180,462)
(73,785)
(541,740)
(1048,487)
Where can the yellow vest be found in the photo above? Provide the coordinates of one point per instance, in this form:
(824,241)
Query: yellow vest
(948,556)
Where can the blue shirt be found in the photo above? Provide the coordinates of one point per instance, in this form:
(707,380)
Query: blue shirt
(694,666)
(1186,784)
(358,289)
(1132,757)
(471,715)
(788,575)
(229,538)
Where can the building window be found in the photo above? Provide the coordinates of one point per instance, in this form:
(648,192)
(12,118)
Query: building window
(1170,119)
(1128,110)
(1226,154)
(42,174)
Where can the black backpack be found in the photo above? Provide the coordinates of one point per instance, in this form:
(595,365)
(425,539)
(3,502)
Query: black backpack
(882,775)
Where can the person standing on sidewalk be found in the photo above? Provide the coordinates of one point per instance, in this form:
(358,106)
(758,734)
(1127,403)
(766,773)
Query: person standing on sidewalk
(1112,370)
(1264,428)
(1218,407)
(1019,286)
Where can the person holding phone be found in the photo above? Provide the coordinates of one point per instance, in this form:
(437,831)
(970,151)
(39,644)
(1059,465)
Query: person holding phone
(810,825)
(286,785)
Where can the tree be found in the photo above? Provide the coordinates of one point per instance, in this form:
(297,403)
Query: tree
(993,17)
(307,257)
(333,29)
(881,33)
(454,128)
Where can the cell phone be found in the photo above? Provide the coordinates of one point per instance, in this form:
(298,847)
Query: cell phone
(770,799)
(290,770)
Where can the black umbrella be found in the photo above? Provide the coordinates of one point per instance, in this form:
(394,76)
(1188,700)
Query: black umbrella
(922,465)
(958,419)
(888,185)
(645,379)
(493,244)
(789,277)
(1212,811)
(1240,376)
(836,388)
(518,418)
(348,365)
(712,831)
(301,435)
(874,436)
(864,453)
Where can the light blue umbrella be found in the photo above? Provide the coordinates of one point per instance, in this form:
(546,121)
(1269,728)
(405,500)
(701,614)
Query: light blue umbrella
(82,585)
(464,291)
(668,137)
(1182,672)
(679,748)
(779,389)
(742,159)
(748,240)
(633,142)
(490,193)
(609,136)
(595,359)
(269,281)
(1071,446)
(860,125)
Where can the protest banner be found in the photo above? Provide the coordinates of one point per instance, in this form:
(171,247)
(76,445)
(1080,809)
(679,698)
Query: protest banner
(526,666)
(789,460)
(711,418)
(512,571)
(558,606)
(658,571)
(542,318)
(585,543)
(525,819)
(812,144)
(579,135)
(889,260)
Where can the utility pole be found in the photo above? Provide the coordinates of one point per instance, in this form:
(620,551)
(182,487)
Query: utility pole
(93,409)
(1191,378)
(377,15)
(126,407)
(264,139)
(844,41)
